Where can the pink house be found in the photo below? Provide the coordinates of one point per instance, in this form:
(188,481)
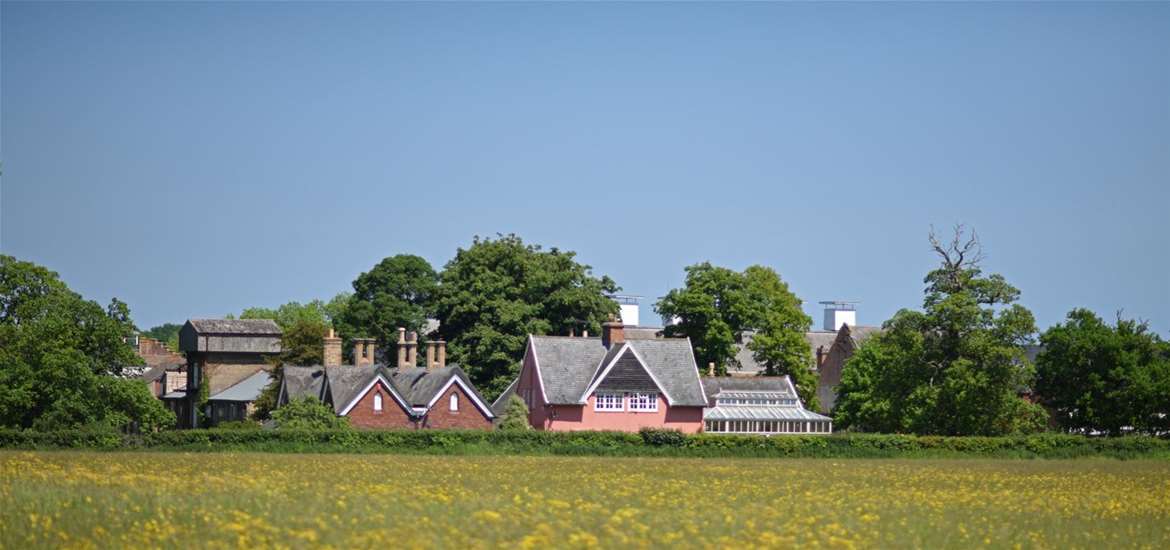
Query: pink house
(610,383)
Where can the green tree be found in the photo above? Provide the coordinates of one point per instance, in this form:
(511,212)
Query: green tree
(956,368)
(287,315)
(1097,377)
(498,291)
(716,307)
(302,343)
(307,413)
(515,417)
(398,292)
(60,357)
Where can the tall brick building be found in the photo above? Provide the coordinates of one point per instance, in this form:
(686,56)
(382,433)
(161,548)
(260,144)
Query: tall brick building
(225,352)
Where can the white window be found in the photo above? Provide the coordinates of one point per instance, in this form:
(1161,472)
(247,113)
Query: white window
(608,402)
(453,404)
(377,402)
(643,401)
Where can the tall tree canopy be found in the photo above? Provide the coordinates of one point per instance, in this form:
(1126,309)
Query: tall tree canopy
(716,307)
(398,292)
(955,368)
(497,291)
(60,356)
(1097,377)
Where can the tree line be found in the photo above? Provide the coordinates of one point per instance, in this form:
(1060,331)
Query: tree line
(957,366)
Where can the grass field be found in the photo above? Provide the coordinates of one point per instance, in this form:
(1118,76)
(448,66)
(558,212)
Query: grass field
(85,500)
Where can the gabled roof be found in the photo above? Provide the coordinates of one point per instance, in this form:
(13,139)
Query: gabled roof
(303,381)
(246,390)
(413,387)
(236,326)
(422,386)
(500,405)
(567,366)
(823,339)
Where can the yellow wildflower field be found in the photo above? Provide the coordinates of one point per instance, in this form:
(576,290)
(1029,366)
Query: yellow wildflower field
(238,500)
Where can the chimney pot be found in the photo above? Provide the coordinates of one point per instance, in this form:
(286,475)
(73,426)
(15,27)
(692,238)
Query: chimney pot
(401,347)
(332,350)
(612,332)
(411,348)
(711,369)
(584,334)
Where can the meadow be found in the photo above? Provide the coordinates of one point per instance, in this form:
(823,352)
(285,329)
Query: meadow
(233,500)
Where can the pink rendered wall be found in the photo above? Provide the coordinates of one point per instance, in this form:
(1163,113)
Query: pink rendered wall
(537,413)
(583,417)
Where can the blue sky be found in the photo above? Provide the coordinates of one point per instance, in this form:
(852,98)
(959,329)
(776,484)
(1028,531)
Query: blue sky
(196,159)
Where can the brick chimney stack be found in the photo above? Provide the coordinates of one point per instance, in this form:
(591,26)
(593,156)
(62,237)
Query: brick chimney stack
(711,369)
(411,348)
(401,347)
(363,351)
(332,350)
(431,354)
(612,332)
(442,353)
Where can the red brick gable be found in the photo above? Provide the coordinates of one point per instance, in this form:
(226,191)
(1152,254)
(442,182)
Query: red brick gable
(393,415)
(469,415)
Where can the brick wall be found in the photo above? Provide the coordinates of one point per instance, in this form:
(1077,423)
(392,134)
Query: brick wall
(155,353)
(362,415)
(467,417)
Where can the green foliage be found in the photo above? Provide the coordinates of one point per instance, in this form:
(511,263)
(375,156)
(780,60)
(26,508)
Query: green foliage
(498,291)
(587,443)
(398,292)
(717,306)
(660,437)
(308,413)
(60,355)
(956,368)
(515,416)
(303,328)
(1098,377)
(316,312)
(167,333)
(238,425)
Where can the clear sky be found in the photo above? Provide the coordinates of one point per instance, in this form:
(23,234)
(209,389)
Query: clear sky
(196,159)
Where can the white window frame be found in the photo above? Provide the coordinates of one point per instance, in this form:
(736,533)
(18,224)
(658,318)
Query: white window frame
(377,402)
(607,405)
(453,403)
(643,401)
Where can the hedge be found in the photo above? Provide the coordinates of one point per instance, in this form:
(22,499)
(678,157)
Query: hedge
(646,443)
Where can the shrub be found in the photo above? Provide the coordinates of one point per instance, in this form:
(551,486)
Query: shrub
(515,416)
(307,413)
(659,437)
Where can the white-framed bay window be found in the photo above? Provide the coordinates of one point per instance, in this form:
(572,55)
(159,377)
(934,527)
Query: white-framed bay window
(644,401)
(609,401)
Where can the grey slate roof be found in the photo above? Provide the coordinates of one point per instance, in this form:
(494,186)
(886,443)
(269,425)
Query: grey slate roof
(643,333)
(567,366)
(341,384)
(776,384)
(246,390)
(501,402)
(304,381)
(236,326)
(419,385)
